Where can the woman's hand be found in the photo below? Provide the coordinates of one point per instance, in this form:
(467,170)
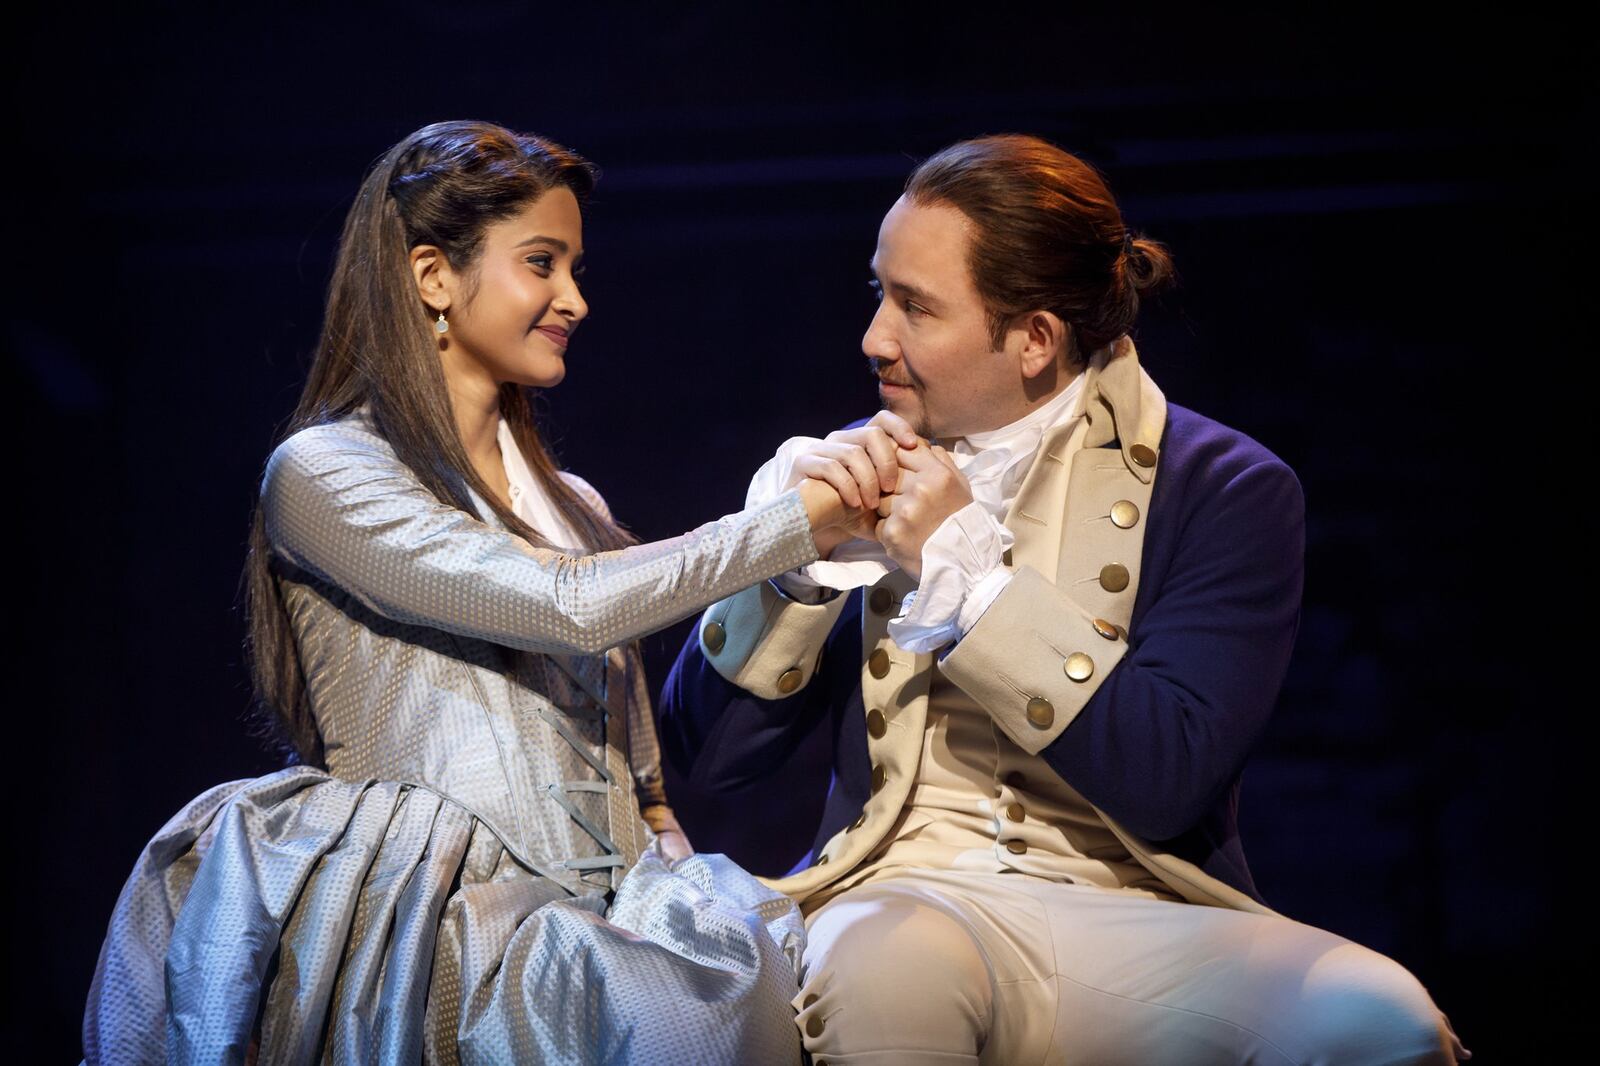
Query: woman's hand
(672,840)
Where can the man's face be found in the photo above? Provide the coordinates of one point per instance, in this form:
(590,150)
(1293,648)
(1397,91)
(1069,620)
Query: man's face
(929,341)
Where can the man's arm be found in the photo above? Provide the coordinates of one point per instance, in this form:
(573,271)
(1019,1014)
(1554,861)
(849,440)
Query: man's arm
(721,734)
(1159,728)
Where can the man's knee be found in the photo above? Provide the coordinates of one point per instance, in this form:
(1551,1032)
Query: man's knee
(1358,1006)
(884,972)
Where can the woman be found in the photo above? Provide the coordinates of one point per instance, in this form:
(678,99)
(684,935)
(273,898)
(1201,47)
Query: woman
(434,614)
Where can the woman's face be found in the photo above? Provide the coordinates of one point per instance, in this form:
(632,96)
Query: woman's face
(513,319)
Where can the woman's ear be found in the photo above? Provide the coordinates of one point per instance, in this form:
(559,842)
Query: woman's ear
(1046,342)
(436,282)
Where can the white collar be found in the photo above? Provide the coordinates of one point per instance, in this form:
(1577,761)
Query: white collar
(1027,430)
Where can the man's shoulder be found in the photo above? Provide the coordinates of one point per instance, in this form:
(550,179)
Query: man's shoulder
(1200,444)
(1211,468)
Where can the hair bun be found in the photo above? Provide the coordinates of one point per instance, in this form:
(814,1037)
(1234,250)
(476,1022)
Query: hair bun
(1147,263)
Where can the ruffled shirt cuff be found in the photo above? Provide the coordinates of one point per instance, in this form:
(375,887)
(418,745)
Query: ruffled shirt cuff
(963,571)
(798,586)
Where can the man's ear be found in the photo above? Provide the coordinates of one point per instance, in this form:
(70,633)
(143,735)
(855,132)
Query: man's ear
(436,282)
(1046,341)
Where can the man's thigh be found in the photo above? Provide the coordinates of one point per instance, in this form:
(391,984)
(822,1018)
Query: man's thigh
(1079,974)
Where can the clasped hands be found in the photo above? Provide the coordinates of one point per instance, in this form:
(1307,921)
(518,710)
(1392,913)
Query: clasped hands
(893,487)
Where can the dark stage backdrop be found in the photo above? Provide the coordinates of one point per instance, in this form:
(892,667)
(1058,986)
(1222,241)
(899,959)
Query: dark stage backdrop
(1378,247)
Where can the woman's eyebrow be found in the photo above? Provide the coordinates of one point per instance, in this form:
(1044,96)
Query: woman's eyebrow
(554,242)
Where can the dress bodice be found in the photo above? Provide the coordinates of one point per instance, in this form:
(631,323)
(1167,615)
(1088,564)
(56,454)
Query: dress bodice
(448,652)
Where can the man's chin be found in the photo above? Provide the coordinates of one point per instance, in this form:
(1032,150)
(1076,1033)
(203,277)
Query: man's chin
(900,401)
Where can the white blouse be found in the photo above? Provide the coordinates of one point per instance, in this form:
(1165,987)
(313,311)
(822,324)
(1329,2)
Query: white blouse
(528,500)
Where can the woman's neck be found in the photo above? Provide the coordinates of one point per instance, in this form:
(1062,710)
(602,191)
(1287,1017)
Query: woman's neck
(476,405)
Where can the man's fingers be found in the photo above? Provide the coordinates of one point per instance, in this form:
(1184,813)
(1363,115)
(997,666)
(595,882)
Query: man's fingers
(896,427)
(855,459)
(919,458)
(881,448)
(832,472)
(946,458)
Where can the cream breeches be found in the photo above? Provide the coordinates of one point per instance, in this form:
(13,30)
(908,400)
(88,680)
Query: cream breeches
(946,967)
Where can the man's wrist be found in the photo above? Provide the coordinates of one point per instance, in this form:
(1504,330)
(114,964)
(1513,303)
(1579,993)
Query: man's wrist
(794,585)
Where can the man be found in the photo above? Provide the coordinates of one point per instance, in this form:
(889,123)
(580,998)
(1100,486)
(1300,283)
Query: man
(1074,624)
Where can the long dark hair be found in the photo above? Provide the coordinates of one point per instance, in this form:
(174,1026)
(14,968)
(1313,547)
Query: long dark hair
(1050,237)
(443,185)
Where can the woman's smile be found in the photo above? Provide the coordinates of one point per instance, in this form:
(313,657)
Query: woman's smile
(556,335)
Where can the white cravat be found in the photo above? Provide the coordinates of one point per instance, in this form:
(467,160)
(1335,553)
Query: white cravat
(962,568)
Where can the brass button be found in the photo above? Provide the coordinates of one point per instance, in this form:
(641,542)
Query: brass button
(1124,514)
(879,776)
(1040,712)
(860,818)
(1015,812)
(1113,577)
(1015,779)
(877,725)
(1005,557)
(1105,629)
(880,601)
(811,998)
(1078,666)
(878,664)
(1142,454)
(713,636)
(814,1026)
(789,680)
(1017,847)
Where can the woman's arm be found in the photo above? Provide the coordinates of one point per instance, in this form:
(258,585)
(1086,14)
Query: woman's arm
(338,504)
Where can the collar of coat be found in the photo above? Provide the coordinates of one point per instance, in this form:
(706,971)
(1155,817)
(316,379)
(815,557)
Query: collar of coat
(1119,402)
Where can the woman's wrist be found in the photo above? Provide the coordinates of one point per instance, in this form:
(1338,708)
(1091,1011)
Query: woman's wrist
(660,819)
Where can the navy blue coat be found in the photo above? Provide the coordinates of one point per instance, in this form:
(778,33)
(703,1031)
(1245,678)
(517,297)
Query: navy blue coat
(1161,743)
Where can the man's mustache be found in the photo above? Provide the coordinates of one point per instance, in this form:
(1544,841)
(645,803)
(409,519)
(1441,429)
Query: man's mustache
(874,366)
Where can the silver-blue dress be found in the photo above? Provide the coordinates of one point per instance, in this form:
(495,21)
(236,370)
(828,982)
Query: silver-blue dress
(470,879)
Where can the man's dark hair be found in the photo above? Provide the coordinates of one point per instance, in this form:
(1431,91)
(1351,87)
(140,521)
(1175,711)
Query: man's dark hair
(1049,237)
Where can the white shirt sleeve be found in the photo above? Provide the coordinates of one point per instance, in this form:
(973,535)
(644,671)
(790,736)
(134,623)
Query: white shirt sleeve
(963,571)
(851,565)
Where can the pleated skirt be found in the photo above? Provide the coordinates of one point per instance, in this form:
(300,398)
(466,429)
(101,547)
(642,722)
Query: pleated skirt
(300,918)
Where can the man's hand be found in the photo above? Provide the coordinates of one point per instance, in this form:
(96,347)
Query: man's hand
(861,466)
(930,489)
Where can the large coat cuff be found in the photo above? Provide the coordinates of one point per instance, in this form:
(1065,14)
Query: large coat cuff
(1034,659)
(764,642)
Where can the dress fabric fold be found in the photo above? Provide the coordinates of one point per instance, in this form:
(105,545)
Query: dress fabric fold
(342,921)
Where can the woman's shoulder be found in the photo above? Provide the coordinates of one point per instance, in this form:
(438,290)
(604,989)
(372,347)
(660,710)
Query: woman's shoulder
(351,440)
(353,430)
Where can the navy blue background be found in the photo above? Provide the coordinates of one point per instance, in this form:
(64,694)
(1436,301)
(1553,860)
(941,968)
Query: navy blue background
(1375,228)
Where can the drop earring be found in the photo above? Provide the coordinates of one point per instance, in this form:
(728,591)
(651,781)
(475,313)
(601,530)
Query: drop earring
(441,326)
